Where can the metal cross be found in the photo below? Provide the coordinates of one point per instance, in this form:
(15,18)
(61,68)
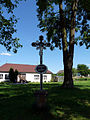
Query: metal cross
(41,45)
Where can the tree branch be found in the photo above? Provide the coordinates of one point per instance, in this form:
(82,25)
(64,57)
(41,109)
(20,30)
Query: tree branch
(72,29)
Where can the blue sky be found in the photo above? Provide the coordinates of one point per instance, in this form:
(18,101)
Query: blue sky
(28,32)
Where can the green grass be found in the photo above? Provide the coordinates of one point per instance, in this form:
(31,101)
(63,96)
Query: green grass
(17,102)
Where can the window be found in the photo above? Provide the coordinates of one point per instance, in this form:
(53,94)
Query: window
(36,77)
(45,77)
(22,76)
(6,76)
(1,76)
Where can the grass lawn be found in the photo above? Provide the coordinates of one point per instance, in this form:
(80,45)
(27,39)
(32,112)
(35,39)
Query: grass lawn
(17,102)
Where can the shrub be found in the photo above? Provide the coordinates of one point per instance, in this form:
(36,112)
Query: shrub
(82,79)
(13,75)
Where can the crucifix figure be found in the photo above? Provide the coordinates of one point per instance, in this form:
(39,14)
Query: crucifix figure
(41,45)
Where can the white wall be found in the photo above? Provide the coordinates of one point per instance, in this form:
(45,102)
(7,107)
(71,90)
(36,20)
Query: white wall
(49,77)
(1,80)
(31,77)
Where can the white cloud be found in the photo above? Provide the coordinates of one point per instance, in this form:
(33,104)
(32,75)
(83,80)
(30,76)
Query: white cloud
(88,64)
(5,53)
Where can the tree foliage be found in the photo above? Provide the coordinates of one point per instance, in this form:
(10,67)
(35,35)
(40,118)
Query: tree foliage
(50,21)
(74,71)
(13,75)
(82,69)
(61,20)
(16,74)
(60,74)
(7,24)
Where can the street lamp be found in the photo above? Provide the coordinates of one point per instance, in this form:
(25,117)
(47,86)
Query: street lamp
(40,45)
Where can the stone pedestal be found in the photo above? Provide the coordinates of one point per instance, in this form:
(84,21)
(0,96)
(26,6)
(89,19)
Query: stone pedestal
(41,98)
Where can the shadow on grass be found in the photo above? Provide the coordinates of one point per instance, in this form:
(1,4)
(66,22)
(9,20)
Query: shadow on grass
(23,107)
(18,103)
(88,86)
(70,103)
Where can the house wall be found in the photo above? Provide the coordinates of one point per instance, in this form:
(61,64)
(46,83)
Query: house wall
(3,79)
(32,77)
(36,77)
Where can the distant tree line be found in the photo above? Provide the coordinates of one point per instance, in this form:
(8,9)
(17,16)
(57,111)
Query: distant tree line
(82,70)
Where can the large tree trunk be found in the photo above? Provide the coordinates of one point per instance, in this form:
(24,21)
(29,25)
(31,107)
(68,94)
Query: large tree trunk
(68,80)
(68,51)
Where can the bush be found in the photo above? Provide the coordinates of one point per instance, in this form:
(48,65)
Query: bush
(13,75)
(82,79)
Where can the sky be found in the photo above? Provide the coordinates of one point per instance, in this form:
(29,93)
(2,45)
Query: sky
(28,32)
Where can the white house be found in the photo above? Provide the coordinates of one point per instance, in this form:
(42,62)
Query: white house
(26,72)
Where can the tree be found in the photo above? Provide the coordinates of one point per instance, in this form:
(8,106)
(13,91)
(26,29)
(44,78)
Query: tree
(16,74)
(83,70)
(60,74)
(74,71)
(7,25)
(89,71)
(61,19)
(13,75)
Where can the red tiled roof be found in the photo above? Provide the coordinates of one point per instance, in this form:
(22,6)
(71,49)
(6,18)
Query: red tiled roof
(20,67)
(60,71)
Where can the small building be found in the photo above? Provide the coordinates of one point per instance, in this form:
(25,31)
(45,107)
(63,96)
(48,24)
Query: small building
(60,72)
(26,72)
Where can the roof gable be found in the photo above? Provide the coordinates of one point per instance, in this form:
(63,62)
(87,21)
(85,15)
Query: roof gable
(60,71)
(20,67)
